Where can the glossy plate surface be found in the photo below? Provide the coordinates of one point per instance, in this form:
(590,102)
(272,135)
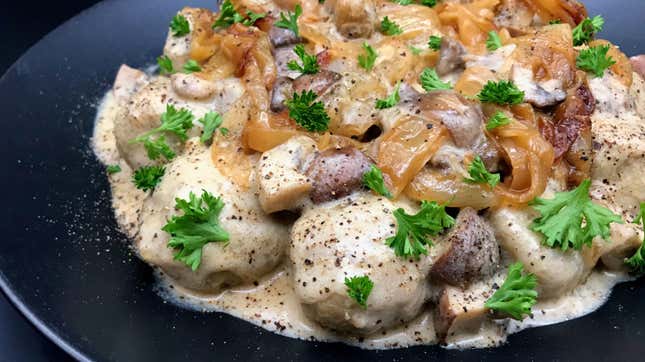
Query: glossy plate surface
(68,269)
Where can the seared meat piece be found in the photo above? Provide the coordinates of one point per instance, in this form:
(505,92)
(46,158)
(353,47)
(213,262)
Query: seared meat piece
(354,18)
(638,63)
(284,87)
(282,90)
(451,56)
(473,252)
(280,37)
(336,173)
(543,94)
(465,122)
(461,313)
(319,83)
(570,133)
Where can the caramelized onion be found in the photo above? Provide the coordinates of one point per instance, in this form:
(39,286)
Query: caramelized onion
(406,148)
(450,189)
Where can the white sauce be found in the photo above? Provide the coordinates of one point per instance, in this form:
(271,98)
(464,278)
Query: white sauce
(272,304)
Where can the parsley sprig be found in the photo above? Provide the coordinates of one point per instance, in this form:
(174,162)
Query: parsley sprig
(571,219)
(516,296)
(503,92)
(412,230)
(229,16)
(198,226)
(595,60)
(430,81)
(493,42)
(388,27)
(309,62)
(366,61)
(391,101)
(434,42)
(112,169)
(373,179)
(173,121)
(359,289)
(148,177)
(211,121)
(480,175)
(157,148)
(165,65)
(179,25)
(290,20)
(308,114)
(191,66)
(637,262)
(498,119)
(587,28)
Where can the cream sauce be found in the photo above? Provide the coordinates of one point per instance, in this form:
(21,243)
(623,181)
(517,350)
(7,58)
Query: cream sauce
(271,302)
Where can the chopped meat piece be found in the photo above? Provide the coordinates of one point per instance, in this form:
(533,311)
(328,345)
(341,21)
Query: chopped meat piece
(280,37)
(473,252)
(451,56)
(543,94)
(336,173)
(638,63)
(319,83)
(282,90)
(355,18)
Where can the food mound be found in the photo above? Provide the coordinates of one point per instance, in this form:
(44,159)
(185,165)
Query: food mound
(384,173)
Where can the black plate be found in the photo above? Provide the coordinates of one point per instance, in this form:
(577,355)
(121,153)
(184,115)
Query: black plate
(67,268)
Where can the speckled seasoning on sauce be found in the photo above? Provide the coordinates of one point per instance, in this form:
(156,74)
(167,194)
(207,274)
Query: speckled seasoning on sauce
(299,220)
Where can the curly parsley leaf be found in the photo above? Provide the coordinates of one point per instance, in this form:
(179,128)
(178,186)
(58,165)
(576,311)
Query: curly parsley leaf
(148,177)
(373,179)
(290,20)
(571,219)
(179,25)
(192,66)
(516,296)
(366,61)
(210,121)
(308,114)
(497,120)
(173,121)
(227,16)
(402,2)
(435,42)
(165,65)
(198,226)
(112,169)
(224,131)
(480,175)
(493,42)
(359,289)
(388,27)
(587,28)
(637,262)
(412,230)
(391,101)
(430,3)
(430,81)
(157,148)
(252,17)
(309,62)
(595,60)
(555,21)
(503,92)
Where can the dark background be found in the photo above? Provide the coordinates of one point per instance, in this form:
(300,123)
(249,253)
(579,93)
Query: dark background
(24,22)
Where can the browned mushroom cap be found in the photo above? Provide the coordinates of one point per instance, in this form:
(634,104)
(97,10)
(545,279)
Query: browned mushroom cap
(336,173)
(355,18)
(280,37)
(638,63)
(473,252)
